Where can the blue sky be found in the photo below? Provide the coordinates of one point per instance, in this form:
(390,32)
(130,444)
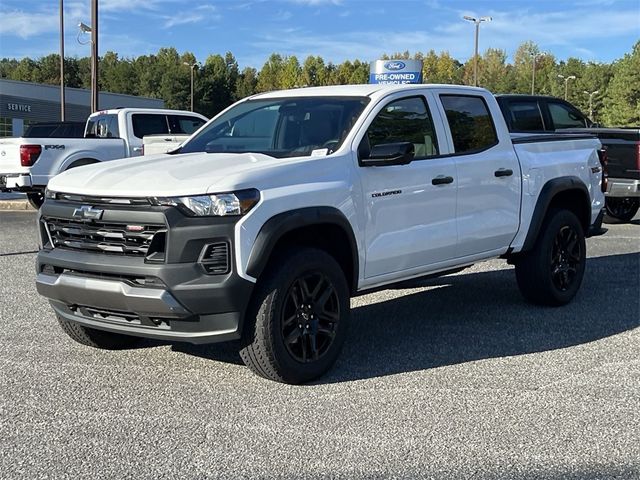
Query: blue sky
(594,30)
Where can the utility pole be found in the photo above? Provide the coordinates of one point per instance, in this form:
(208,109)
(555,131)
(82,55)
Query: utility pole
(477,22)
(62,99)
(566,84)
(94,56)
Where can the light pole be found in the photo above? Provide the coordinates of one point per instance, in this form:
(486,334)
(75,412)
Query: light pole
(534,58)
(192,66)
(94,56)
(566,84)
(62,99)
(477,22)
(591,102)
(93,29)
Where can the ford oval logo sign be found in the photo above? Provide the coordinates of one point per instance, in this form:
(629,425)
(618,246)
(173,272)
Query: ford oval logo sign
(394,65)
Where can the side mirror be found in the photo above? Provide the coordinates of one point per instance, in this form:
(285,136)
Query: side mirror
(400,153)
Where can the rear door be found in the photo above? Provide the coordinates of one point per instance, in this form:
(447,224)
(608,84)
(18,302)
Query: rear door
(410,209)
(489,178)
(146,124)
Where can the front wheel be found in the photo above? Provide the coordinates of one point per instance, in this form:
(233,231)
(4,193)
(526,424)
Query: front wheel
(36,199)
(298,322)
(551,273)
(621,209)
(96,338)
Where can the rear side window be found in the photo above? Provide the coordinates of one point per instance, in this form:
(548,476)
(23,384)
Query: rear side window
(470,123)
(183,124)
(565,117)
(149,124)
(103,126)
(525,116)
(405,120)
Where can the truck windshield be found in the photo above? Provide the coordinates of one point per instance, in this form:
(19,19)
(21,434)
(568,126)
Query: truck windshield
(285,127)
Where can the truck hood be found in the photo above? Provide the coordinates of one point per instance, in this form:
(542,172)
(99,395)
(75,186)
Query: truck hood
(163,175)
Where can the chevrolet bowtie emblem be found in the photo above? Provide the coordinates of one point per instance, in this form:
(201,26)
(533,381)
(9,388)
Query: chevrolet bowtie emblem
(87,212)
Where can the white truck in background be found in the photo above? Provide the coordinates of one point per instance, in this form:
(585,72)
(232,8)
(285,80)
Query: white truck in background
(27,164)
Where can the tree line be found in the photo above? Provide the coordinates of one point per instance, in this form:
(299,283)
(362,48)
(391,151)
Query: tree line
(219,81)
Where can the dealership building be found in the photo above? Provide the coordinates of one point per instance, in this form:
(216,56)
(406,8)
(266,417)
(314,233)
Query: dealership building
(24,103)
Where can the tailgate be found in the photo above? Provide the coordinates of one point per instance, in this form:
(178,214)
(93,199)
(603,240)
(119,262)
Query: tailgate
(10,156)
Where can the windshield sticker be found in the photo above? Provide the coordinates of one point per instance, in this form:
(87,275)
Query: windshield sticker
(319,152)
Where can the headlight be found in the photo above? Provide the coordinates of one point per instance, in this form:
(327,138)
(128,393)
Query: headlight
(49,193)
(214,205)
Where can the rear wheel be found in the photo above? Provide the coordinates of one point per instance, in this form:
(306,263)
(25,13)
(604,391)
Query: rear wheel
(551,273)
(621,209)
(298,322)
(36,199)
(96,338)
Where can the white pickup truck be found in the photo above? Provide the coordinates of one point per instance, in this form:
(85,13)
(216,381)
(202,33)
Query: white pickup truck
(27,164)
(266,221)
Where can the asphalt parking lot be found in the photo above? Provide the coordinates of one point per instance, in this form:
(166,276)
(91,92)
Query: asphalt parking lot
(456,378)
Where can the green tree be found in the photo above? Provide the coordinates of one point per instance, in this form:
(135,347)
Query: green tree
(622,103)
(247,83)
(268,78)
(289,75)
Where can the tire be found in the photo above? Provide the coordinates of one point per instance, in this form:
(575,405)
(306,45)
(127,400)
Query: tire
(621,209)
(298,318)
(96,338)
(36,199)
(551,273)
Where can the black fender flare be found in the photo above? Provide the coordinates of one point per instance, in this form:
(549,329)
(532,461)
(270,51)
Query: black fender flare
(548,192)
(281,224)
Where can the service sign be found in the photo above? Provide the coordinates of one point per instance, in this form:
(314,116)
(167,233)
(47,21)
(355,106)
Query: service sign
(396,71)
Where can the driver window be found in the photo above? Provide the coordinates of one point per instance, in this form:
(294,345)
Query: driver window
(405,120)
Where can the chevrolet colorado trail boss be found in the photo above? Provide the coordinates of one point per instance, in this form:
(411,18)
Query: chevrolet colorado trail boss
(27,164)
(265,222)
(529,114)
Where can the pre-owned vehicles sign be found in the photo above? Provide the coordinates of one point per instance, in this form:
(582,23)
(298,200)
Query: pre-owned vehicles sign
(396,71)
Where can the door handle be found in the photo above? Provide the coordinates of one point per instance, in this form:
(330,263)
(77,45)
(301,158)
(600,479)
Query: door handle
(503,172)
(137,149)
(441,180)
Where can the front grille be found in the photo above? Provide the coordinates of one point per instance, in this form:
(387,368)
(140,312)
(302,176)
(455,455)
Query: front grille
(89,200)
(114,238)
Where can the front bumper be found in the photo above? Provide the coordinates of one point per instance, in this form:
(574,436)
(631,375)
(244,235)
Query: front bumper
(174,299)
(623,187)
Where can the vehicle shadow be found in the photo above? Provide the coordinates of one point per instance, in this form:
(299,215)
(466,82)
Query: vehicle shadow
(474,316)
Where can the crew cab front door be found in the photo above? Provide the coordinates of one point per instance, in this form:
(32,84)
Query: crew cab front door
(410,209)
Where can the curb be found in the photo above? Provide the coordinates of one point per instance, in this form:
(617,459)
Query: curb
(15,205)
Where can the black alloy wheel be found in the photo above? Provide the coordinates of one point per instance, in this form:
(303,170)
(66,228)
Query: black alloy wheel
(565,258)
(36,199)
(310,316)
(551,272)
(298,316)
(622,208)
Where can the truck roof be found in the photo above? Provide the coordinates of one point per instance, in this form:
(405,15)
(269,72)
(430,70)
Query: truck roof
(366,90)
(145,110)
